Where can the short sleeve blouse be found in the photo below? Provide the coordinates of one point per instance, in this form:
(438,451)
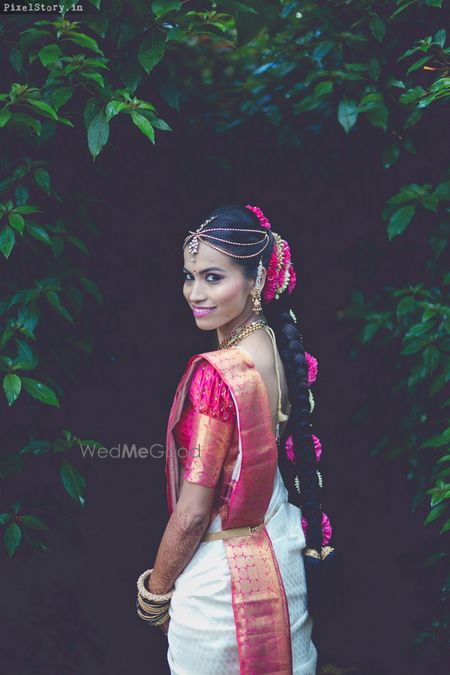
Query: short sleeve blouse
(207,423)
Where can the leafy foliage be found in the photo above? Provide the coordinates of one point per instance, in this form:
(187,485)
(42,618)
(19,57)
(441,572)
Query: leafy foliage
(78,76)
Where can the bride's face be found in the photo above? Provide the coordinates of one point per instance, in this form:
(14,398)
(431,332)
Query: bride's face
(215,288)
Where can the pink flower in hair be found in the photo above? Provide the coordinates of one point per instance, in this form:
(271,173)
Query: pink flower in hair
(262,218)
(271,279)
(327,530)
(312,368)
(289,445)
(292,279)
(317,446)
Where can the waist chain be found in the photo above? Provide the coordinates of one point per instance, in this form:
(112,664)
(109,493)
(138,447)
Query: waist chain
(237,531)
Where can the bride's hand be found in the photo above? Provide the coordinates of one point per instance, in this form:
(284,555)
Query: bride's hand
(165,626)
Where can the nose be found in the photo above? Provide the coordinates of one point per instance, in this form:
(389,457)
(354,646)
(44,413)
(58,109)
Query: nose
(197,293)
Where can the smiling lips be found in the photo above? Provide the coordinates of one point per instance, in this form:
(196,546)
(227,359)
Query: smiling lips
(202,311)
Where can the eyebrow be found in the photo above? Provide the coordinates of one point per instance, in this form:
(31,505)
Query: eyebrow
(207,269)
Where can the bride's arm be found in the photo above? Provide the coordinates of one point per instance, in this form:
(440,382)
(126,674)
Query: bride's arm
(213,423)
(182,535)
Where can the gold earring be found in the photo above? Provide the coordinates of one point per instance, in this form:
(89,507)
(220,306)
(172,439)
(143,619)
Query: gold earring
(256,302)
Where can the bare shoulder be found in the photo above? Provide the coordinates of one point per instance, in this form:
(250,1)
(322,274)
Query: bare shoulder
(259,346)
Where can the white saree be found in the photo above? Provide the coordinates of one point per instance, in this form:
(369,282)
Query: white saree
(202,630)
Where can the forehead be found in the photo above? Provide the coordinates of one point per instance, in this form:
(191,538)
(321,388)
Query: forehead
(208,257)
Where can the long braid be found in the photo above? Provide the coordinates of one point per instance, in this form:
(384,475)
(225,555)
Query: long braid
(292,353)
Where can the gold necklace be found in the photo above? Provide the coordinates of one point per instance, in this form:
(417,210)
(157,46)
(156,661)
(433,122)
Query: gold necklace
(240,333)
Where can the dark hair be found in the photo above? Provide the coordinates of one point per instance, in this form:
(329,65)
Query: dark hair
(292,353)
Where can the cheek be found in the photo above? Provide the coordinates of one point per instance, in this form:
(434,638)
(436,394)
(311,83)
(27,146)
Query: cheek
(229,295)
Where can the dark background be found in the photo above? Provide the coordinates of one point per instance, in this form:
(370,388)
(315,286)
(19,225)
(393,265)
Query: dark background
(72,610)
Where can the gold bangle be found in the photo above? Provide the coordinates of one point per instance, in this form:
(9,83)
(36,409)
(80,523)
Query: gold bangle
(152,609)
(154,622)
(151,596)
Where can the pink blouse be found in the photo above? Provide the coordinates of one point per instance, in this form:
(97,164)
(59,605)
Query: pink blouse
(209,407)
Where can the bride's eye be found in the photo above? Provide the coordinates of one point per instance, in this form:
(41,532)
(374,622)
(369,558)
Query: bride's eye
(217,277)
(186,276)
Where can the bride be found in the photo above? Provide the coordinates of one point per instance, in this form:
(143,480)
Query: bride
(228,585)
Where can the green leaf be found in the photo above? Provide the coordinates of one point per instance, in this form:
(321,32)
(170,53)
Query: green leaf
(151,50)
(143,125)
(60,96)
(162,7)
(26,209)
(98,134)
(21,196)
(11,386)
(400,220)
(16,221)
(441,37)
(418,64)
(36,447)
(28,319)
(369,331)
(442,191)
(406,306)
(38,232)
(54,300)
(40,391)
(430,202)
(374,69)
(4,517)
(435,513)
(5,116)
(42,178)
(44,108)
(377,27)
(83,40)
(73,481)
(378,116)
(12,538)
(390,155)
(437,441)
(34,522)
(92,288)
(445,527)
(323,88)
(28,121)
(79,244)
(114,108)
(431,356)
(127,32)
(7,240)
(347,114)
(49,54)
(95,77)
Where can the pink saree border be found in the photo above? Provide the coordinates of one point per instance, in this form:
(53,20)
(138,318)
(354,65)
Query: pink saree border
(258,596)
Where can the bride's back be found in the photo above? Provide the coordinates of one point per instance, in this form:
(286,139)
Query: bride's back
(260,348)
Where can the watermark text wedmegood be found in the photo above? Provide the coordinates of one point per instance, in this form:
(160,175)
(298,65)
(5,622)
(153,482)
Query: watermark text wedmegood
(125,451)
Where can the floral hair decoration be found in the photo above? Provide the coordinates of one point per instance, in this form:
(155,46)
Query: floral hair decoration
(280,270)
(327,529)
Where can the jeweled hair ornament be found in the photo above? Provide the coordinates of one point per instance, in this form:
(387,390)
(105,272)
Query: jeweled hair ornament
(201,235)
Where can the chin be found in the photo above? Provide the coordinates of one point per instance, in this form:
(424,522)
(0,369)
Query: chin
(204,323)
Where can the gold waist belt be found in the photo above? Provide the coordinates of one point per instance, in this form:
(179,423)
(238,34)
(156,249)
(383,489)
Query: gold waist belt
(236,531)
